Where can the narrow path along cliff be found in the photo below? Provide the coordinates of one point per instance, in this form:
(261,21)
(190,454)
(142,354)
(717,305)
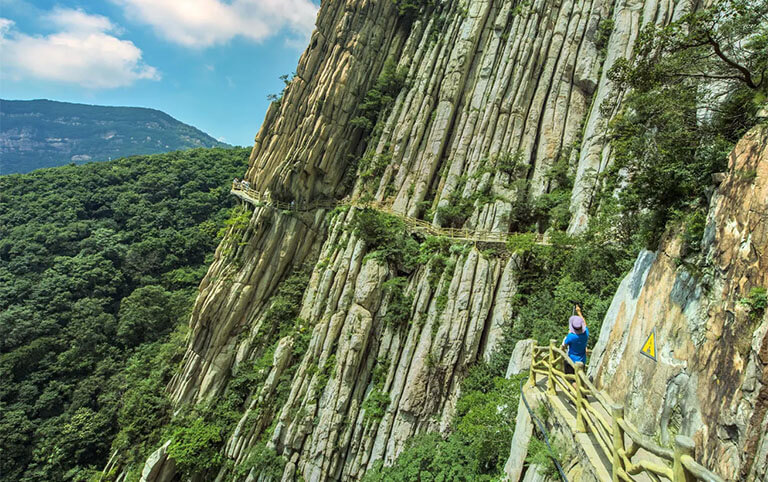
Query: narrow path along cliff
(258,199)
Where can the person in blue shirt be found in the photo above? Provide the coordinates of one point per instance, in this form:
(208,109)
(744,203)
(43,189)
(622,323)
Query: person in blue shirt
(576,341)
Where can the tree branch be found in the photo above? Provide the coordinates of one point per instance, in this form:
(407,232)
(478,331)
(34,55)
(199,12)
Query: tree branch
(744,71)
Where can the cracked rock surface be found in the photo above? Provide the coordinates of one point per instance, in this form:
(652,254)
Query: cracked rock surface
(711,378)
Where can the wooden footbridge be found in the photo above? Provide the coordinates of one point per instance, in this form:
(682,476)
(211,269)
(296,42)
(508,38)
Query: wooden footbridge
(615,449)
(259,199)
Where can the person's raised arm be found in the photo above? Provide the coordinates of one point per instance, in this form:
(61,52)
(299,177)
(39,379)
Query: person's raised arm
(578,312)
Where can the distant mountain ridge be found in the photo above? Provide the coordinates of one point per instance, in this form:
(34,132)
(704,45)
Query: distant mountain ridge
(46,133)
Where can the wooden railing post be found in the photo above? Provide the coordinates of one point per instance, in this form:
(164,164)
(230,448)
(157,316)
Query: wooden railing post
(683,446)
(532,376)
(579,399)
(617,413)
(550,366)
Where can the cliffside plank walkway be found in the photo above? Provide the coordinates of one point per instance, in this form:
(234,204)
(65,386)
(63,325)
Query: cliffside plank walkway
(258,199)
(616,450)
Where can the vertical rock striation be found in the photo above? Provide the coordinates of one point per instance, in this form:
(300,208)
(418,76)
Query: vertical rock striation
(496,93)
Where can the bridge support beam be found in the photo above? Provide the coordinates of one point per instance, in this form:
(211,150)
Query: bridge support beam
(683,446)
(617,413)
(580,428)
(550,375)
(532,376)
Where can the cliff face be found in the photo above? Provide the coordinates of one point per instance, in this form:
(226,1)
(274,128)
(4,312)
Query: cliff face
(709,380)
(486,81)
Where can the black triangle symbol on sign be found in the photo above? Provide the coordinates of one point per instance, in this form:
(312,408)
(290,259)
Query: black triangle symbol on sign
(649,347)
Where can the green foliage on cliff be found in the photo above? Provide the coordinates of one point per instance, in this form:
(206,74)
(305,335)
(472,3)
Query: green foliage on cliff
(549,210)
(398,302)
(388,238)
(675,129)
(375,405)
(478,444)
(266,462)
(756,302)
(98,264)
(381,96)
(195,446)
(409,8)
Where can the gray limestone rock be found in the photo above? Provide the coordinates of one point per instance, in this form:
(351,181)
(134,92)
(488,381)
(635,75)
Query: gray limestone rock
(520,361)
(486,81)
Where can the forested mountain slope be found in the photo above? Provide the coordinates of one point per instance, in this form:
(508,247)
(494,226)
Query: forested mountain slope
(46,133)
(99,264)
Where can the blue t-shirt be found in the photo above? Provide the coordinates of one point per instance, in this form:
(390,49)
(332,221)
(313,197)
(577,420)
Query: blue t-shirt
(577,345)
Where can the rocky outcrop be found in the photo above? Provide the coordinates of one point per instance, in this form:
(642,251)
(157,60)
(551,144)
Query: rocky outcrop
(496,93)
(520,362)
(158,466)
(628,18)
(710,380)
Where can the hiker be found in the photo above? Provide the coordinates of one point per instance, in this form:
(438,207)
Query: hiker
(236,183)
(576,340)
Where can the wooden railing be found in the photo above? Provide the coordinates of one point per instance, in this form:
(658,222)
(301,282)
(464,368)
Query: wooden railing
(258,199)
(598,415)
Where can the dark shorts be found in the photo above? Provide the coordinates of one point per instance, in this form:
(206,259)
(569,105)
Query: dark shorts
(569,369)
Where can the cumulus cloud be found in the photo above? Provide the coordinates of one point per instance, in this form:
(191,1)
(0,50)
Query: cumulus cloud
(202,23)
(84,51)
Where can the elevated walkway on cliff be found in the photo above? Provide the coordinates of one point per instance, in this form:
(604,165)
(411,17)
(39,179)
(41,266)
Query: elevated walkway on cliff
(612,447)
(259,199)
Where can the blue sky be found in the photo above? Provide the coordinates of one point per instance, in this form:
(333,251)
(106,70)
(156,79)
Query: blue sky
(208,63)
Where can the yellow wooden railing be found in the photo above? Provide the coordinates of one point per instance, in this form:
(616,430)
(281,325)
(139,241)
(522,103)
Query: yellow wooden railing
(258,199)
(617,438)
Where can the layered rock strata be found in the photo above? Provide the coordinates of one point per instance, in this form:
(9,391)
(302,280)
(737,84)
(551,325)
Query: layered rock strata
(488,82)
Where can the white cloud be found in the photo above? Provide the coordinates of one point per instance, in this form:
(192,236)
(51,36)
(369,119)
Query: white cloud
(68,19)
(83,51)
(202,23)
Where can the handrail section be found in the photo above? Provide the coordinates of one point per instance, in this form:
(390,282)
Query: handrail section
(611,432)
(258,199)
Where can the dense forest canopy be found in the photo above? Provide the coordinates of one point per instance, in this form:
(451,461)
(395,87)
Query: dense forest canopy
(98,265)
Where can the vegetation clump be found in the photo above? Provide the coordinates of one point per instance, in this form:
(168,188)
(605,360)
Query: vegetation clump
(410,8)
(399,304)
(195,446)
(269,465)
(381,96)
(375,405)
(386,237)
(756,302)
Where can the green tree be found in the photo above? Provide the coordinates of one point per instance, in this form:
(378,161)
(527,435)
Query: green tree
(675,129)
(98,265)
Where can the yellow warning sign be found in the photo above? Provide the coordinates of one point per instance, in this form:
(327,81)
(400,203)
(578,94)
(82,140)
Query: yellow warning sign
(649,348)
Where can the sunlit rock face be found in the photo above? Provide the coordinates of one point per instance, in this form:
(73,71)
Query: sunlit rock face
(484,81)
(709,380)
